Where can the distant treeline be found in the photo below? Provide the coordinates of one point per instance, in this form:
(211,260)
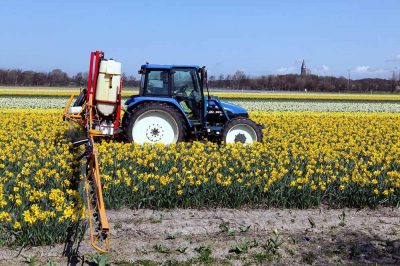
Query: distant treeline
(238,80)
(55,78)
(293,82)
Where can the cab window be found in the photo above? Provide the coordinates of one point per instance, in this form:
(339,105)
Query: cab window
(157,83)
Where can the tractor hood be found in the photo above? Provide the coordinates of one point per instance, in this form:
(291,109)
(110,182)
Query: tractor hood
(233,109)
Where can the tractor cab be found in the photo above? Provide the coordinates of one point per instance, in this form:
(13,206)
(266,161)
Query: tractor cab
(181,83)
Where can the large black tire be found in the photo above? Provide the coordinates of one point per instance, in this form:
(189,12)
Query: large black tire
(131,116)
(246,124)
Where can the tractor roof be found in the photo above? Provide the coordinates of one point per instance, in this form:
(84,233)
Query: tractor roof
(155,66)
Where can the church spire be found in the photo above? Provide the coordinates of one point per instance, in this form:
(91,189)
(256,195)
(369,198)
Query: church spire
(303,69)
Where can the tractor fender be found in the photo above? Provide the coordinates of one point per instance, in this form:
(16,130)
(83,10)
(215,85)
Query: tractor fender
(134,101)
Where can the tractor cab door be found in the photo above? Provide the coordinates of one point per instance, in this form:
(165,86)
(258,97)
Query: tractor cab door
(186,90)
(155,83)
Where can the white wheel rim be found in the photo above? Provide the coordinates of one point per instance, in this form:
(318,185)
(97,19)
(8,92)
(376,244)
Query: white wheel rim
(241,133)
(155,126)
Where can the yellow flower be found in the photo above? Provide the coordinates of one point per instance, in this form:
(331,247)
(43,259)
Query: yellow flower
(17,225)
(18,202)
(28,217)
(5,216)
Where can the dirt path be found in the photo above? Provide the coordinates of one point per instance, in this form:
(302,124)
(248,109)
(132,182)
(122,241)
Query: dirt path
(237,237)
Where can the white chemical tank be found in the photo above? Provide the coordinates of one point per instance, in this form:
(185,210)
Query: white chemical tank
(108,86)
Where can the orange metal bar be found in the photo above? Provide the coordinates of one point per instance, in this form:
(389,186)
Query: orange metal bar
(99,192)
(99,235)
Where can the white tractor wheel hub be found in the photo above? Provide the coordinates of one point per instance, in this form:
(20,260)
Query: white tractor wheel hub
(241,133)
(155,126)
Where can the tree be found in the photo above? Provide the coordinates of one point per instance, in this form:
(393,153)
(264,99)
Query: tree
(39,78)
(13,76)
(27,78)
(78,79)
(58,78)
(238,79)
(3,75)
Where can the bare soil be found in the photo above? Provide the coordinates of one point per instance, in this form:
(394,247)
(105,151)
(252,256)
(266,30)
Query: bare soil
(235,237)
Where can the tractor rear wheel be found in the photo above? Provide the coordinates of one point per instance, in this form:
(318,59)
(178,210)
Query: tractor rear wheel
(242,130)
(155,122)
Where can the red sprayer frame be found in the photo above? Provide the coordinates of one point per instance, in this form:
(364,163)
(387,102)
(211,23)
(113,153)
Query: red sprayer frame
(118,114)
(95,58)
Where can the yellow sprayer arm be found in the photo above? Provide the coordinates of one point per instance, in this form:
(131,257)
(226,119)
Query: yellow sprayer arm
(98,223)
(68,105)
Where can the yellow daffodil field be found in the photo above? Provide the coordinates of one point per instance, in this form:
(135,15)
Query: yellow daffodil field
(306,159)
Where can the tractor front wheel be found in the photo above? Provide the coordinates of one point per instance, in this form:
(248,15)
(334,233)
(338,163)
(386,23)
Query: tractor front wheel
(155,122)
(242,130)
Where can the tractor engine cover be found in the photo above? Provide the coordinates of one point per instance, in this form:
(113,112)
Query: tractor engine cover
(108,87)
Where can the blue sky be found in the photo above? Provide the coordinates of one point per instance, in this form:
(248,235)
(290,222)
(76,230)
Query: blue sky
(258,37)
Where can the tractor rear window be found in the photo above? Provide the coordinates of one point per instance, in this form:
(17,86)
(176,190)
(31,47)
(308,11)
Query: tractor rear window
(157,82)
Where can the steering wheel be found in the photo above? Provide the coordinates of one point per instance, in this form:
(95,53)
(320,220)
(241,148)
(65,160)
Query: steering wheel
(181,91)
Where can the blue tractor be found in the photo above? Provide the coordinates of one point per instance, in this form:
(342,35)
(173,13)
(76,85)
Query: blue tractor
(171,107)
